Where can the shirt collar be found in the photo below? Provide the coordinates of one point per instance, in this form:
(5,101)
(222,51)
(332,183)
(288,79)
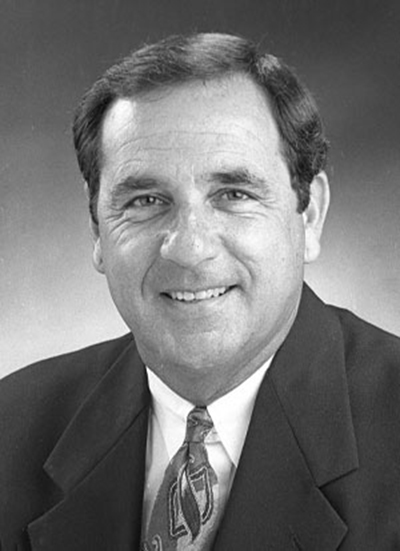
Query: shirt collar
(231,413)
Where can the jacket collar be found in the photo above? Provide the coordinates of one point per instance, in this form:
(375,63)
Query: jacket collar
(309,377)
(300,438)
(100,459)
(104,416)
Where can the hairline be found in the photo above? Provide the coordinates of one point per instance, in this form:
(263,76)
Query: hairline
(169,88)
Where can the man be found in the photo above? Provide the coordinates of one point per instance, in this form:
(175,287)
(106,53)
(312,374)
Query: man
(240,412)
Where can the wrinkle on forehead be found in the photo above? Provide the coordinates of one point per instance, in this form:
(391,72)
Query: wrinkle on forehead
(193,121)
(237,97)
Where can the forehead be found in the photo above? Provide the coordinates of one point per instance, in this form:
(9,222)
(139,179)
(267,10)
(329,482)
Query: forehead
(226,117)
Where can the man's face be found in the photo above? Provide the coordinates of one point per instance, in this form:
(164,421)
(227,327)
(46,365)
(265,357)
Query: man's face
(199,234)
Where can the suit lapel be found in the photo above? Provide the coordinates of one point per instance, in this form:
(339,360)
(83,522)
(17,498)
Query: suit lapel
(99,464)
(300,438)
(309,375)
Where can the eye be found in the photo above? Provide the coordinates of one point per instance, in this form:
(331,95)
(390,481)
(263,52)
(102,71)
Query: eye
(234,200)
(146,207)
(144,201)
(235,195)
(232,197)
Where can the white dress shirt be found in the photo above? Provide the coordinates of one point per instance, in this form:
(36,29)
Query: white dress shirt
(167,427)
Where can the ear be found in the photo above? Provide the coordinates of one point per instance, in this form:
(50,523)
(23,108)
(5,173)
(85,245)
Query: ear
(97,256)
(314,216)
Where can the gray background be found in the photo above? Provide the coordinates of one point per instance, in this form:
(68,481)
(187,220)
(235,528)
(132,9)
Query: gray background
(348,52)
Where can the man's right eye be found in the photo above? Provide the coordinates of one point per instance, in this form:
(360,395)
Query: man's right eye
(145,201)
(145,207)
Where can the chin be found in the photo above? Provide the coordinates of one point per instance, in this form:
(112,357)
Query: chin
(190,355)
(196,358)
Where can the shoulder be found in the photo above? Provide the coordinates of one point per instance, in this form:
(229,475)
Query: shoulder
(37,403)
(46,394)
(73,368)
(362,338)
(372,359)
(367,348)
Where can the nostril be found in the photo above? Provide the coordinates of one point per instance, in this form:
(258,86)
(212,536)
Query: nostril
(188,248)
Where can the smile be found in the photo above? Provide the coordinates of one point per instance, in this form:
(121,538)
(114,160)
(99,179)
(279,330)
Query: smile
(195,296)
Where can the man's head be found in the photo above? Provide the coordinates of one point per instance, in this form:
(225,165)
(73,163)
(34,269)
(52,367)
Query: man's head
(204,57)
(203,214)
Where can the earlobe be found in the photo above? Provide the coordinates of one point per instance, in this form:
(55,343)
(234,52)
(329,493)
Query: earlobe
(314,216)
(98,257)
(97,252)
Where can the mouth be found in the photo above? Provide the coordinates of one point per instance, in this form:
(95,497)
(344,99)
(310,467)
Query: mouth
(198,296)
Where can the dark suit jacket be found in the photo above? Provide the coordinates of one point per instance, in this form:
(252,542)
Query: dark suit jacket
(320,468)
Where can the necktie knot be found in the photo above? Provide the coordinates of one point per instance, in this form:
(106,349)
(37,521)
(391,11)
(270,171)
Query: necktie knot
(198,425)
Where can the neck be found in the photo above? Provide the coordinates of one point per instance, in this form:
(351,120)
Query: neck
(203,386)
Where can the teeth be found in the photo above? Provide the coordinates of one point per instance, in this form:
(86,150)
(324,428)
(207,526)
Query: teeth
(189,296)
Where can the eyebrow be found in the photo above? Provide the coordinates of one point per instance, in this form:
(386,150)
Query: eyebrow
(242,176)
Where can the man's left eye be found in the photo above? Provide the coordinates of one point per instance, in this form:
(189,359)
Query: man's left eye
(235,195)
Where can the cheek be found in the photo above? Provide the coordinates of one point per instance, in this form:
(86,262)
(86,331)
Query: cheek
(276,241)
(126,266)
(272,254)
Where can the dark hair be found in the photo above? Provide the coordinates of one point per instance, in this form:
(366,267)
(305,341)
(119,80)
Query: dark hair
(207,56)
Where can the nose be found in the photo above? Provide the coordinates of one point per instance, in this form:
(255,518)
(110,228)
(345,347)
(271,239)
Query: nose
(192,238)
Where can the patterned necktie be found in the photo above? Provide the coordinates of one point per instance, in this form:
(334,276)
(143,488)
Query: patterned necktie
(186,506)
